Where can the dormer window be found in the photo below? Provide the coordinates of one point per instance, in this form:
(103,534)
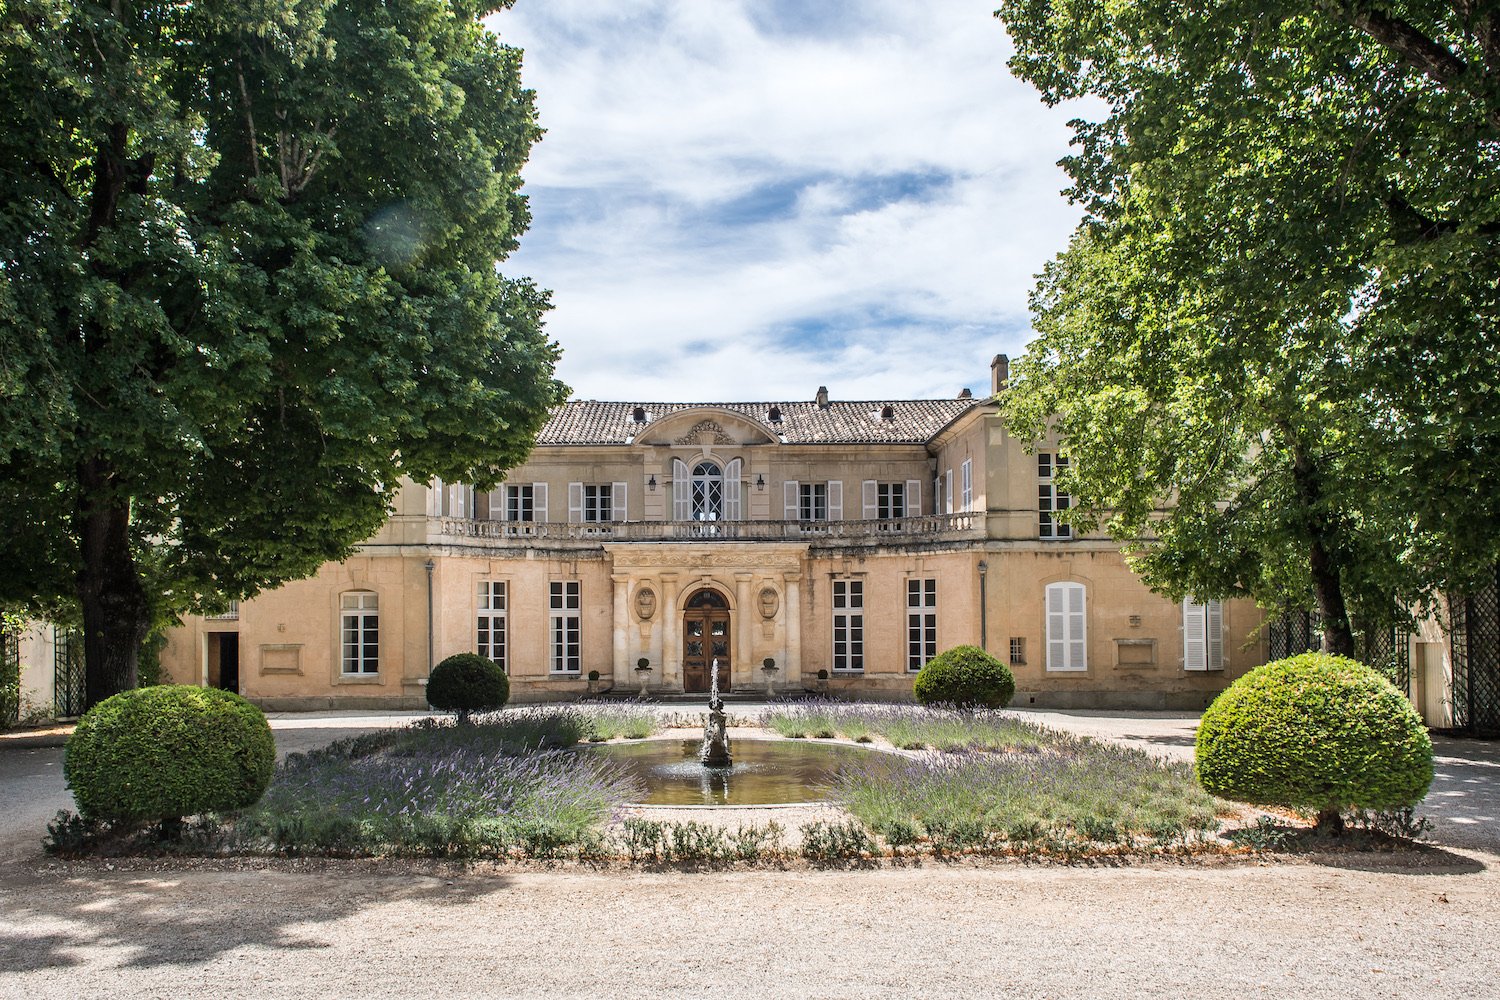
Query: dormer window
(888,412)
(639,415)
(774,414)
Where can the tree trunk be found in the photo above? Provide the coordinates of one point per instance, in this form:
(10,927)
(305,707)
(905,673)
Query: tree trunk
(1328,589)
(116,611)
(1330,822)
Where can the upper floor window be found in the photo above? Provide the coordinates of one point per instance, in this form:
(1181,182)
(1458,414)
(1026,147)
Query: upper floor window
(707,492)
(520,502)
(813,501)
(360,631)
(1049,499)
(948,491)
(596,503)
(890,501)
(1202,635)
(966,474)
(490,625)
(1067,627)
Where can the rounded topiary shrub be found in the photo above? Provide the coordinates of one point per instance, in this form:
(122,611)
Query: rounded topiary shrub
(467,682)
(165,752)
(1315,732)
(966,677)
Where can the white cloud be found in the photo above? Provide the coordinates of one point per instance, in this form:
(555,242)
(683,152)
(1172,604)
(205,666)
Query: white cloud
(732,206)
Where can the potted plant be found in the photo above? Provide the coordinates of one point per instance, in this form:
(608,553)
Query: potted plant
(768,667)
(593,682)
(643,671)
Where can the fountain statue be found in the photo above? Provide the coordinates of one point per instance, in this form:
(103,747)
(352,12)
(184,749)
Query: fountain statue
(715,751)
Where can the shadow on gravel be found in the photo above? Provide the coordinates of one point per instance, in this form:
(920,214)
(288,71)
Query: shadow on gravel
(1420,860)
(180,918)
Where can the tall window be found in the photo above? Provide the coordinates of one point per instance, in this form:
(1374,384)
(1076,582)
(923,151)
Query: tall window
(848,625)
(1067,632)
(490,629)
(921,622)
(567,626)
(598,502)
(1049,500)
(890,500)
(966,473)
(708,492)
(1202,635)
(520,502)
(360,612)
(812,502)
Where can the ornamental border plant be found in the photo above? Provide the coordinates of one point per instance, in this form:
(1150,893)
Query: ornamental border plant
(465,683)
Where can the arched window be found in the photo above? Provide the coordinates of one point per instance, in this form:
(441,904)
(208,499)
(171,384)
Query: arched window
(708,492)
(360,620)
(1067,628)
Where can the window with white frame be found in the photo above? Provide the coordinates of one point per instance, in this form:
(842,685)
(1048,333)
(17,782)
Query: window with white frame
(520,502)
(566,620)
(1202,635)
(360,630)
(596,503)
(1050,501)
(921,622)
(812,501)
(966,477)
(890,500)
(1067,628)
(490,625)
(848,626)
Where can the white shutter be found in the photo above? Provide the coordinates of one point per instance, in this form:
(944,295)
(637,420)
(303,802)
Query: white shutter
(439,498)
(732,486)
(1194,636)
(575,503)
(1215,618)
(539,502)
(621,510)
(948,492)
(682,492)
(914,498)
(835,500)
(789,497)
(871,503)
(483,509)
(1067,633)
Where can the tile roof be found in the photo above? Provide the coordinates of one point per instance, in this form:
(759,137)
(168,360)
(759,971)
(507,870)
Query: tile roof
(913,421)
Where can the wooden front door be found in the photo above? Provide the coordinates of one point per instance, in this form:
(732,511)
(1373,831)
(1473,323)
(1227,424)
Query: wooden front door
(705,638)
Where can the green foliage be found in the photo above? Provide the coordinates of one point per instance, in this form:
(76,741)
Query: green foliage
(829,841)
(1277,320)
(162,753)
(465,683)
(965,677)
(1314,732)
(251,285)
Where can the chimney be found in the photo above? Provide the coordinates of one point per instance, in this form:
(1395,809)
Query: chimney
(822,397)
(999,374)
(964,393)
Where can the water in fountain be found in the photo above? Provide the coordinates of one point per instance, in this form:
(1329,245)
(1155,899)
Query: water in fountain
(715,751)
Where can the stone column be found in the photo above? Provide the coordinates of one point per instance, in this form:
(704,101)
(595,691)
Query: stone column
(621,630)
(791,672)
(670,668)
(748,615)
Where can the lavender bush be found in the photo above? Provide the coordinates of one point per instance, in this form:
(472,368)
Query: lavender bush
(911,727)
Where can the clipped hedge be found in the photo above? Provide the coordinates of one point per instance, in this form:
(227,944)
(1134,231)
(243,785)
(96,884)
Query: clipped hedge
(965,677)
(467,682)
(1315,732)
(165,752)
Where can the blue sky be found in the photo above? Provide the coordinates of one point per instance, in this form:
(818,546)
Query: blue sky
(746,199)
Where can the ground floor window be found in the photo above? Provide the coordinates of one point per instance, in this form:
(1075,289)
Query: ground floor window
(1202,635)
(1067,640)
(567,626)
(921,622)
(848,625)
(361,633)
(490,634)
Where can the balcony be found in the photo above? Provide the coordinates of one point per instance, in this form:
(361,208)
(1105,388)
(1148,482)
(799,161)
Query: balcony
(929,527)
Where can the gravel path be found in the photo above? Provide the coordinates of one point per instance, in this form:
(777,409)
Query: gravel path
(1356,926)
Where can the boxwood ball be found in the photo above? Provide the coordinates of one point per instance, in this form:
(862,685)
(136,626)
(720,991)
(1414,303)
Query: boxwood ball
(966,677)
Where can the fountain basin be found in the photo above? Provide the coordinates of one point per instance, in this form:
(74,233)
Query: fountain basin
(764,772)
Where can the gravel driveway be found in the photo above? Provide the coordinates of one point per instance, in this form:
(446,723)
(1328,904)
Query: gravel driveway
(1361,926)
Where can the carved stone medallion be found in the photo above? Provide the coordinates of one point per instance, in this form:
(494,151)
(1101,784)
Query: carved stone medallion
(770,602)
(645,604)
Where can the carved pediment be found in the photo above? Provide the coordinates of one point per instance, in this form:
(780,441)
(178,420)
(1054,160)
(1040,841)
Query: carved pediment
(706,427)
(706,432)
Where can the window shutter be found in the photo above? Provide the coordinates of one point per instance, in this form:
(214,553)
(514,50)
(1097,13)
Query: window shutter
(439,498)
(621,511)
(482,506)
(835,500)
(1067,634)
(914,498)
(539,502)
(575,503)
(1194,636)
(732,487)
(682,492)
(789,497)
(1215,616)
(1077,639)
(948,492)
(1057,625)
(870,501)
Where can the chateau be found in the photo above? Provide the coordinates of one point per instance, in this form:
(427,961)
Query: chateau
(824,545)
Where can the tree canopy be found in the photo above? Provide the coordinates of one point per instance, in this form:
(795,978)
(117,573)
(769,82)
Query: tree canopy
(1272,343)
(248,280)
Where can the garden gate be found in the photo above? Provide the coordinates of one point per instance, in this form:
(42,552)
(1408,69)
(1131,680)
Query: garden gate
(1475,639)
(68,678)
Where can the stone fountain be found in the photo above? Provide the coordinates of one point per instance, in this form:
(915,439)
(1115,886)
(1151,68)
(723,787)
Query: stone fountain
(715,752)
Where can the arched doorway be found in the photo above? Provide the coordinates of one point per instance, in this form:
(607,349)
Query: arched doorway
(705,638)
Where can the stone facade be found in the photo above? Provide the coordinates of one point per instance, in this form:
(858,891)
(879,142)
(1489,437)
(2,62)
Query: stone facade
(841,541)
